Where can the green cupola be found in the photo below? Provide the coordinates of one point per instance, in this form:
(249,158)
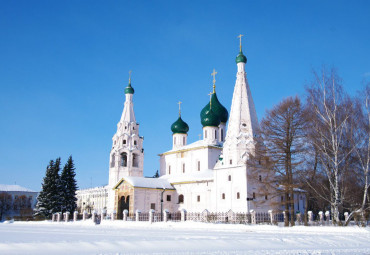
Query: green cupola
(241,57)
(179,126)
(209,118)
(217,108)
(129,89)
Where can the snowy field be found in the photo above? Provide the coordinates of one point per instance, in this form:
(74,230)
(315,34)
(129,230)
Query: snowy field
(178,238)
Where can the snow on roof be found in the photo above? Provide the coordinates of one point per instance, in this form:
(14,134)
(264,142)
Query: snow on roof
(204,175)
(199,143)
(5,187)
(281,187)
(146,182)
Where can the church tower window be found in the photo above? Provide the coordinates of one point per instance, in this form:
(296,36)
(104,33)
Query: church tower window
(113,160)
(124,159)
(181,199)
(183,167)
(135,142)
(215,134)
(124,141)
(169,169)
(205,134)
(238,195)
(198,198)
(135,160)
(223,195)
(229,178)
(222,135)
(174,140)
(183,140)
(231,161)
(198,165)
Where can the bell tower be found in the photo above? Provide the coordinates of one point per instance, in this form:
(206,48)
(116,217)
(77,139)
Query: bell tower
(127,153)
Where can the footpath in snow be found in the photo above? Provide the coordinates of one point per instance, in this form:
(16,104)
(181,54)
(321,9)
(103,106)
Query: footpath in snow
(183,238)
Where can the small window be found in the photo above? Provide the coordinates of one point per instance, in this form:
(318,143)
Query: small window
(181,199)
(183,168)
(124,142)
(169,169)
(183,140)
(125,127)
(133,128)
(174,140)
(152,206)
(198,198)
(238,195)
(265,197)
(135,142)
(198,165)
(222,134)
(244,125)
(229,178)
(282,198)
(254,195)
(114,142)
(215,134)
(168,197)
(260,178)
(205,134)
(223,195)
(231,161)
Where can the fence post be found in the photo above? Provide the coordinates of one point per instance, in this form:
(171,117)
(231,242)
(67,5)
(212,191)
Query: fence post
(113,215)
(183,215)
(75,215)
(327,215)
(205,214)
(346,216)
(271,213)
(84,215)
(67,216)
(253,216)
(151,216)
(137,215)
(103,214)
(59,215)
(321,214)
(165,215)
(125,213)
(298,218)
(53,217)
(310,217)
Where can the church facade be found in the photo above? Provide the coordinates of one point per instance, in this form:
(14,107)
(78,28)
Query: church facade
(211,173)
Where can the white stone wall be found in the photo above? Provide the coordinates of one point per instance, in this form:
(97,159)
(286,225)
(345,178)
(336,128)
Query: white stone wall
(191,192)
(144,197)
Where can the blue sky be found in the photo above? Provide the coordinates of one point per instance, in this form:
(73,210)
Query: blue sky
(64,65)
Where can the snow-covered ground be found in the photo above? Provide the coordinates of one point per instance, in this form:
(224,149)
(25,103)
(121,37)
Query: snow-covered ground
(178,238)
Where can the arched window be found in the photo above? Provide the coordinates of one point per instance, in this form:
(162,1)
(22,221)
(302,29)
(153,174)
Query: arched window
(229,178)
(231,161)
(169,169)
(183,167)
(135,142)
(124,141)
(198,198)
(113,160)
(198,165)
(222,135)
(215,134)
(223,195)
(124,159)
(238,195)
(135,160)
(181,199)
(183,140)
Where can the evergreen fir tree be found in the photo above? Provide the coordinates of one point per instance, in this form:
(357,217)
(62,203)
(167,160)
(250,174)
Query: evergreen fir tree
(56,190)
(68,187)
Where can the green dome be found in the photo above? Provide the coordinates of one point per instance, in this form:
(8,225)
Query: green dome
(179,127)
(241,58)
(129,89)
(209,118)
(217,108)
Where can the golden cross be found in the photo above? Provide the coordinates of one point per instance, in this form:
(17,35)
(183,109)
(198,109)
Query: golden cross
(179,103)
(240,38)
(129,76)
(214,80)
(210,100)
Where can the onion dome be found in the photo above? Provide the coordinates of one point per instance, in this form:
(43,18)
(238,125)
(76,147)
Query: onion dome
(209,118)
(179,127)
(217,108)
(129,89)
(241,58)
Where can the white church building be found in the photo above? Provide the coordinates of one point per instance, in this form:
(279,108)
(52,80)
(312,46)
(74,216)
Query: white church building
(211,173)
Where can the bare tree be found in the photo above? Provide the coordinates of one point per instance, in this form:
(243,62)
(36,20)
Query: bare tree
(282,132)
(6,202)
(330,112)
